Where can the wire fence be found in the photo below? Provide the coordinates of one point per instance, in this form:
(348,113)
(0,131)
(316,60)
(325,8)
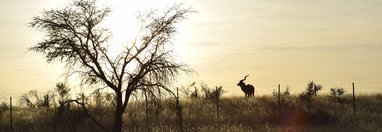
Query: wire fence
(7,104)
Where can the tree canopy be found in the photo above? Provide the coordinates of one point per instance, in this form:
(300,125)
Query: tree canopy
(73,36)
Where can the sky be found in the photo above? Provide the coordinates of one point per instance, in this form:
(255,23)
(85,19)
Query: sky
(333,42)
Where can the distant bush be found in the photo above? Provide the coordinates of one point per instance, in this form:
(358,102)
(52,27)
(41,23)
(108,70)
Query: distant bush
(337,93)
(311,90)
(204,91)
(3,107)
(275,92)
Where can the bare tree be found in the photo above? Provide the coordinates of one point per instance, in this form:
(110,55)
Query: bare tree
(74,37)
(30,99)
(26,101)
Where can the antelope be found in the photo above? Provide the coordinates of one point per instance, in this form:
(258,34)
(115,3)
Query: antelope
(248,89)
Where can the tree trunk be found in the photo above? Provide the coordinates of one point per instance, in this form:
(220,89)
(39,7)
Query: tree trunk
(118,113)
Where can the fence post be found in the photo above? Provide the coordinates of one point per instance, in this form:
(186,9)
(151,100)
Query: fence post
(179,110)
(10,109)
(353,99)
(279,99)
(217,102)
(146,107)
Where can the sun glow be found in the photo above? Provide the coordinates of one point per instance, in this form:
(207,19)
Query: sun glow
(123,23)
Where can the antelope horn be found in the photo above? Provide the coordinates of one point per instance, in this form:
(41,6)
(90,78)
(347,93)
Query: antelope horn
(245,77)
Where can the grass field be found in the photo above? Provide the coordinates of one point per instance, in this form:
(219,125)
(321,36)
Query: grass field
(322,113)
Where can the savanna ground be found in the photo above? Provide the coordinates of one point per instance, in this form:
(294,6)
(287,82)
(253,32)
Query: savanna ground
(320,113)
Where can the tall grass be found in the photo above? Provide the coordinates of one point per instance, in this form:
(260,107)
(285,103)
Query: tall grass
(322,113)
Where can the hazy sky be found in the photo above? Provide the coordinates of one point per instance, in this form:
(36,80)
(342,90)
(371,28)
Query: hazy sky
(287,42)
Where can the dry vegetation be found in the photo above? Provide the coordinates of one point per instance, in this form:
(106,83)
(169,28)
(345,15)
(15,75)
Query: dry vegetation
(321,113)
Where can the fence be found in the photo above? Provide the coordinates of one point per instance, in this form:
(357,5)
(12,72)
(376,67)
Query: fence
(178,106)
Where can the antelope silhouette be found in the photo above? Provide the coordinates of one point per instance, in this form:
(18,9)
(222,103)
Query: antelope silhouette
(248,89)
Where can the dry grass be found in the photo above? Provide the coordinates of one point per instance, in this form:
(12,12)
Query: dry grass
(323,113)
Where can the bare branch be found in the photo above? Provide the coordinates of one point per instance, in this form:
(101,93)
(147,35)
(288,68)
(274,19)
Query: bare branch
(87,113)
(73,36)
